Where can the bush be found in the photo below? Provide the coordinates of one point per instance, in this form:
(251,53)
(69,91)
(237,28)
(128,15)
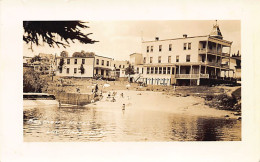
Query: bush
(32,82)
(223,102)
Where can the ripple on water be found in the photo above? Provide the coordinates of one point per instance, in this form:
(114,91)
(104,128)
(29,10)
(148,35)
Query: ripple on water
(111,124)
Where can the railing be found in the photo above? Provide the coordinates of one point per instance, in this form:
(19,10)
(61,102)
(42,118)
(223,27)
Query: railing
(214,51)
(213,63)
(202,50)
(187,76)
(225,66)
(225,54)
(191,76)
(204,75)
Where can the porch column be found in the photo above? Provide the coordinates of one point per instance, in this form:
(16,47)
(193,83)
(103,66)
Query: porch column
(190,71)
(215,72)
(229,60)
(198,81)
(199,69)
(175,71)
(206,58)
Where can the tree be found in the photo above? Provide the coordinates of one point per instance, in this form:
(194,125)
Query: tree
(82,69)
(62,62)
(64,54)
(47,31)
(32,81)
(129,71)
(36,58)
(83,54)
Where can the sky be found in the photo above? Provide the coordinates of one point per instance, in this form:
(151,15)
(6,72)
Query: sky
(119,39)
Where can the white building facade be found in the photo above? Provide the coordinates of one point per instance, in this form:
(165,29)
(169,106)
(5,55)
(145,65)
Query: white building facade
(183,61)
(72,67)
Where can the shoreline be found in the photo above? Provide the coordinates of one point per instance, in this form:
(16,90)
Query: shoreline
(156,101)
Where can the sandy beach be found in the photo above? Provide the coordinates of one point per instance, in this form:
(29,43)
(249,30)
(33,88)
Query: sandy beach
(156,101)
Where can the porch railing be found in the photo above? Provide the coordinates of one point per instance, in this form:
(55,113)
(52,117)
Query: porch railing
(191,76)
(225,54)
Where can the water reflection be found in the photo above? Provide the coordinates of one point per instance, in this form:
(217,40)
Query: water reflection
(113,124)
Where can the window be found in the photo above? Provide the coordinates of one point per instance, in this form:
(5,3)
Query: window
(147,50)
(188,58)
(102,63)
(160,70)
(83,61)
(151,48)
(123,66)
(60,69)
(68,70)
(107,63)
(75,70)
(119,66)
(107,72)
(137,70)
(184,46)
(164,70)
(156,70)
(172,70)
(142,70)
(151,59)
(177,58)
(148,70)
(68,61)
(169,59)
(75,61)
(114,65)
(168,70)
(152,70)
(97,61)
(189,46)
(159,59)
(160,48)
(170,47)
(144,60)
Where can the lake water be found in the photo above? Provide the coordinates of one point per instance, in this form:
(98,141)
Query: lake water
(84,124)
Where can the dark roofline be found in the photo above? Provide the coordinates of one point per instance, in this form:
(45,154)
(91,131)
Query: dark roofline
(104,56)
(135,53)
(208,36)
(174,39)
(75,57)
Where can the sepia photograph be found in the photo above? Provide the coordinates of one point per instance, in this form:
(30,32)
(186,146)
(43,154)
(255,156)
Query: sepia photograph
(132,81)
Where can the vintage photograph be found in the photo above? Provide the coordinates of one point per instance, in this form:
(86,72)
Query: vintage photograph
(132,81)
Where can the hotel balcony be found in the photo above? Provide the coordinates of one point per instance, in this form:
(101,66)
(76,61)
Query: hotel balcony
(191,76)
(225,55)
(213,51)
(213,64)
(217,64)
(224,66)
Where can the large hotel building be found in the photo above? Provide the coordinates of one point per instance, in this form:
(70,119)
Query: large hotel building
(188,60)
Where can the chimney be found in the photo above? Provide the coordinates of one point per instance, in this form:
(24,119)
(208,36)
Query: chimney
(185,35)
(156,38)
